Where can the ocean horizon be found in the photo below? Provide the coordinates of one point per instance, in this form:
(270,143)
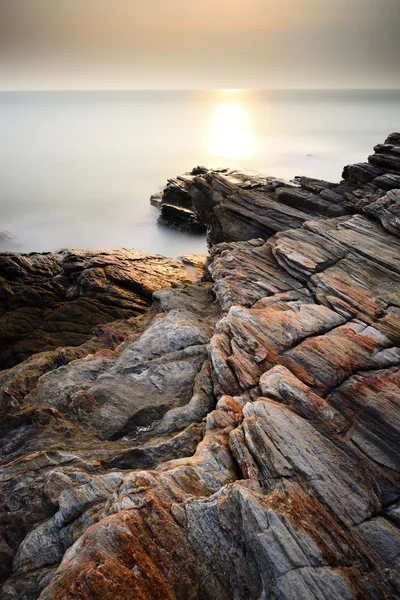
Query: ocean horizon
(77,168)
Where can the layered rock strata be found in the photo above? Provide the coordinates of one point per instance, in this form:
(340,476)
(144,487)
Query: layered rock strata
(242,442)
(238,205)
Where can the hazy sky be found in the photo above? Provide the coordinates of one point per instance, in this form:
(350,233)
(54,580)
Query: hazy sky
(79,44)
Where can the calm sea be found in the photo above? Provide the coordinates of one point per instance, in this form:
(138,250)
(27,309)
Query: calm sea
(77,168)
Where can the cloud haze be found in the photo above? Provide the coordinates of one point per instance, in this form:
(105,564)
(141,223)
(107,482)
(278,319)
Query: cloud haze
(79,44)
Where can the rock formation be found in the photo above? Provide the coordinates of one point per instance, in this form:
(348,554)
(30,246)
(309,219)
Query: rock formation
(238,440)
(239,205)
(56,298)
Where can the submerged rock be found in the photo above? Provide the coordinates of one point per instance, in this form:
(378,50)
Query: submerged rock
(240,439)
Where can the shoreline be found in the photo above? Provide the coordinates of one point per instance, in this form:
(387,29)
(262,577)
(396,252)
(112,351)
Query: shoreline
(231,431)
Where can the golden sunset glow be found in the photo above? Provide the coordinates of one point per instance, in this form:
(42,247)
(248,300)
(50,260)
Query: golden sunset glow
(230,134)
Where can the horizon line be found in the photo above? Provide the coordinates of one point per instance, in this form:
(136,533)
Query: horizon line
(205,89)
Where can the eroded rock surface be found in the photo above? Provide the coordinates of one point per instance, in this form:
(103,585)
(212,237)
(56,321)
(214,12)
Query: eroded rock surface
(56,298)
(240,440)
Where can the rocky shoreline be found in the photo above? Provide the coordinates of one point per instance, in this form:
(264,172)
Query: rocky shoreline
(236,205)
(210,428)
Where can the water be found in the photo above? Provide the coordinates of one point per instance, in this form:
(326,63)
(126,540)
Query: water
(77,168)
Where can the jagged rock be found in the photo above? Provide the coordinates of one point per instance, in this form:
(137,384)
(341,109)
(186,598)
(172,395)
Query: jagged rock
(182,219)
(155,199)
(240,205)
(240,440)
(369,401)
(56,299)
(387,210)
(245,272)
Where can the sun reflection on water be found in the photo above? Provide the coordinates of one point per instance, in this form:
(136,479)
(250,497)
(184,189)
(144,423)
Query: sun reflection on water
(230,134)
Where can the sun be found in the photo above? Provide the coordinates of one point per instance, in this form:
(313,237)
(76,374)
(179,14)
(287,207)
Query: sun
(230,133)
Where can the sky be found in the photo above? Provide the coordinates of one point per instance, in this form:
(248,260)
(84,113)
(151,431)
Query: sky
(193,44)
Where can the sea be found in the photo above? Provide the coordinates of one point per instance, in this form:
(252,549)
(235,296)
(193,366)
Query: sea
(77,168)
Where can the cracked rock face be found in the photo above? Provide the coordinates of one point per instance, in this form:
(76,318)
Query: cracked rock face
(240,440)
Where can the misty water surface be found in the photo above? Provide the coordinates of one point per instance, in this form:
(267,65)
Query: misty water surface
(77,168)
